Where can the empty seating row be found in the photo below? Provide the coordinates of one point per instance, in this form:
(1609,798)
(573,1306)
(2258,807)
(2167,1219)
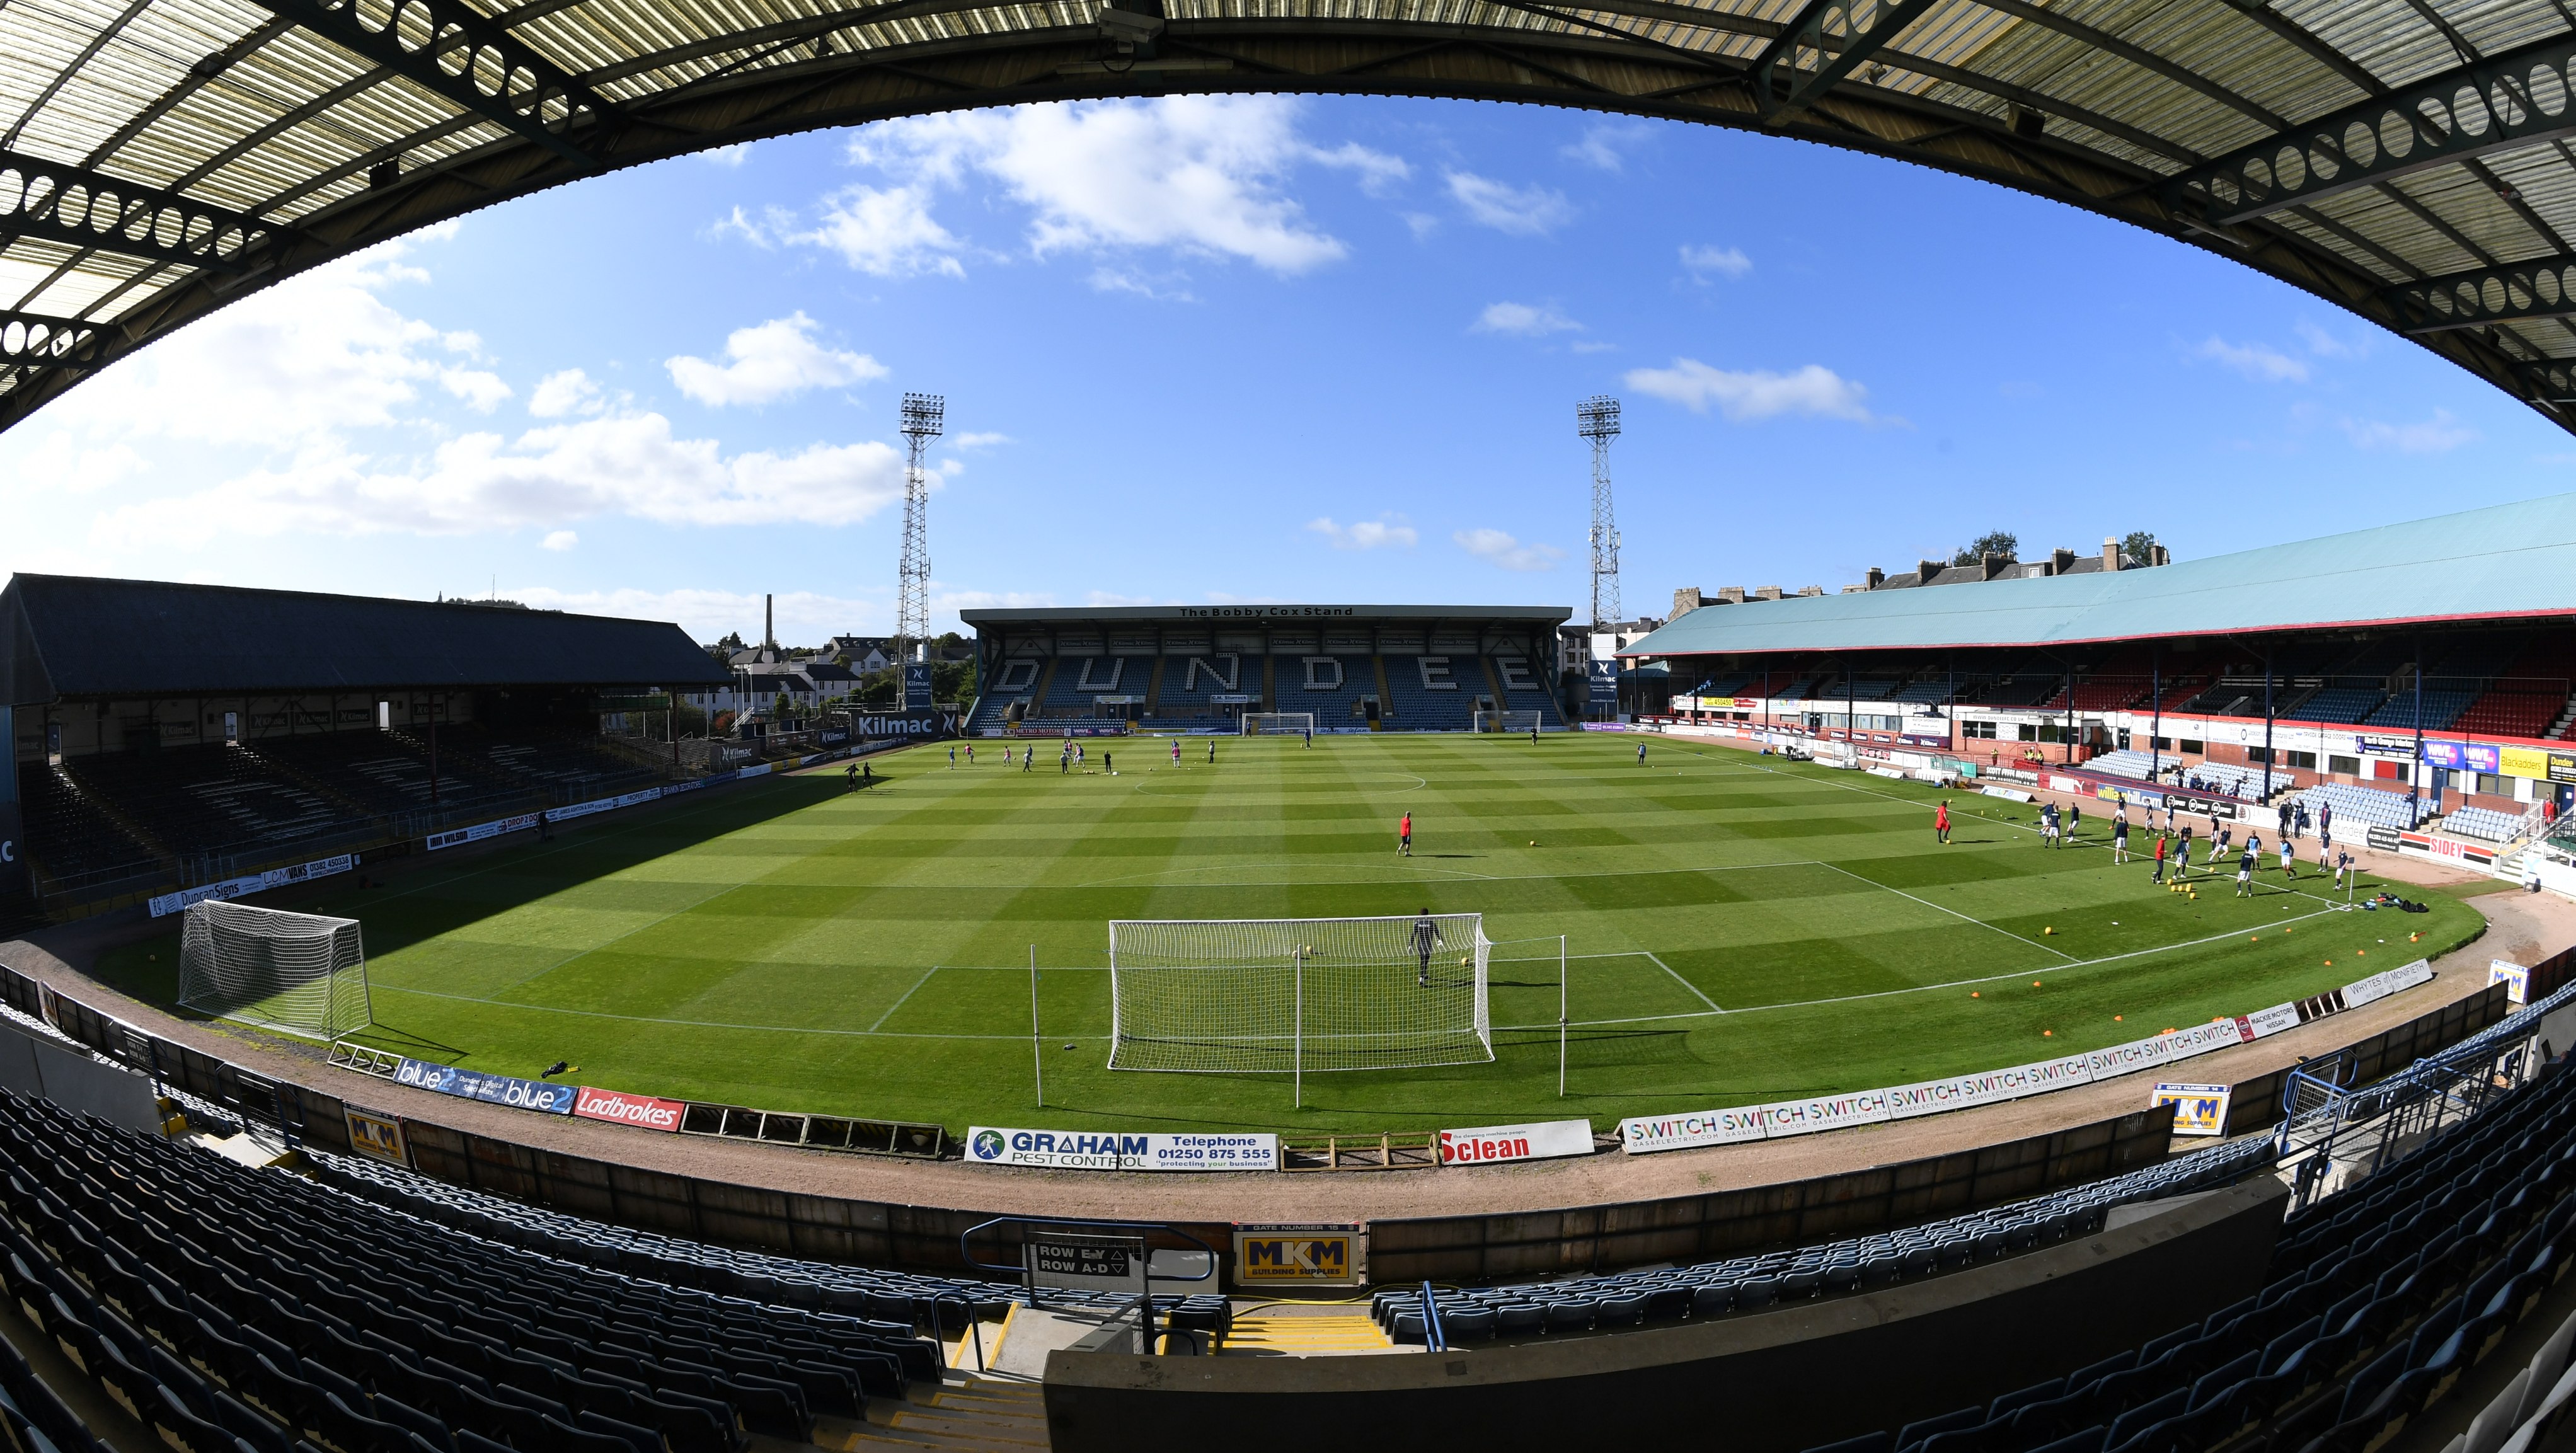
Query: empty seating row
(2360,804)
(2380,1298)
(2483,823)
(265,1307)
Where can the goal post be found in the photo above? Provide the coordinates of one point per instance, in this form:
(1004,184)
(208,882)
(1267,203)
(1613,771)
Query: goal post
(1291,995)
(1278,723)
(303,973)
(1509,721)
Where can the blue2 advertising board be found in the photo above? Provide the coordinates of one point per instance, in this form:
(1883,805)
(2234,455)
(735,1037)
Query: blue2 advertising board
(537,1095)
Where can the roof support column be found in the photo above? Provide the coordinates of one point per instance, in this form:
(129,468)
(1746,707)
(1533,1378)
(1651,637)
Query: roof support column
(2267,722)
(2156,694)
(2415,769)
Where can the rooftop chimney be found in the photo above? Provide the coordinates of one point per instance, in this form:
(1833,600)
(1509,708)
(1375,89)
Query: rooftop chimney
(1925,571)
(1811,590)
(2060,561)
(1768,592)
(769,621)
(1686,600)
(2110,552)
(1990,564)
(1877,577)
(1731,594)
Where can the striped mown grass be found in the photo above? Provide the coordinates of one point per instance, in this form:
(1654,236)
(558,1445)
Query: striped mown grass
(1740,929)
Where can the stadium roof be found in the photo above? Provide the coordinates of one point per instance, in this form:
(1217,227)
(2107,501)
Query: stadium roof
(2404,159)
(72,636)
(1260,614)
(2506,562)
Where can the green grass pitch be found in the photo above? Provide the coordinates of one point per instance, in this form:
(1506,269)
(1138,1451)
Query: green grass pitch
(1741,929)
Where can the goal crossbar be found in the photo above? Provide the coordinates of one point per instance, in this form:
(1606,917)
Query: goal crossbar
(1291,723)
(1509,721)
(1287,995)
(304,973)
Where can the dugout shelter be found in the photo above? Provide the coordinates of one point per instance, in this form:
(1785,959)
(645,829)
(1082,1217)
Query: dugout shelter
(1185,668)
(2414,676)
(166,735)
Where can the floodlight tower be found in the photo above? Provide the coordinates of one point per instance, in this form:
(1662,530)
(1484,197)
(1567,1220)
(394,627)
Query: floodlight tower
(924,417)
(1597,419)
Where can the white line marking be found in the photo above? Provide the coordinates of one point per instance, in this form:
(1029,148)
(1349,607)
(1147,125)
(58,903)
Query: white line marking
(907,994)
(1954,913)
(1685,983)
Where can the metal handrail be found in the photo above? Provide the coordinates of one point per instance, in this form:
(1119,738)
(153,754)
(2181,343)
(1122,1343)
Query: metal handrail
(1433,1338)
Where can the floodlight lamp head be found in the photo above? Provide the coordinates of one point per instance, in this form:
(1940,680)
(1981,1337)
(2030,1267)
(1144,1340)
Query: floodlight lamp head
(924,415)
(1597,417)
(1129,28)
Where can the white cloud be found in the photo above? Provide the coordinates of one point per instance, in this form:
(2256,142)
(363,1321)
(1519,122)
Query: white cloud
(973,440)
(1524,320)
(2327,345)
(728,156)
(1198,174)
(1498,548)
(481,390)
(1367,534)
(546,478)
(882,231)
(777,360)
(59,463)
(2436,435)
(1521,211)
(2253,360)
(1710,260)
(313,355)
(568,392)
(560,540)
(1113,598)
(1757,394)
(1602,145)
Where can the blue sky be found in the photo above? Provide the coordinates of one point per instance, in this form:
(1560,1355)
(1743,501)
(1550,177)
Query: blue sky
(1240,348)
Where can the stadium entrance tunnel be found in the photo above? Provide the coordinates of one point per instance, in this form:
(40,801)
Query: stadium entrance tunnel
(365,131)
(1769,1382)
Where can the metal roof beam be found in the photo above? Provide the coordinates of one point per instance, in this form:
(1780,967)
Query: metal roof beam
(449,49)
(2544,287)
(1825,42)
(32,342)
(2516,99)
(90,209)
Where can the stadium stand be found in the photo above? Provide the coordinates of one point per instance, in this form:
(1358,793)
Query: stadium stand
(1931,691)
(2340,704)
(2485,824)
(1524,686)
(79,841)
(208,799)
(2380,1299)
(216,1301)
(2360,804)
(1333,706)
(2220,779)
(1415,706)
(2441,707)
(2127,762)
(384,773)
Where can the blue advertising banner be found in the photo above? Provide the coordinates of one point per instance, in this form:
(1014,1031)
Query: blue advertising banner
(916,685)
(537,1095)
(2463,756)
(1605,680)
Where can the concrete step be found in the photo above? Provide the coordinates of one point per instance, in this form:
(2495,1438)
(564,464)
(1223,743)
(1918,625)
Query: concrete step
(980,1430)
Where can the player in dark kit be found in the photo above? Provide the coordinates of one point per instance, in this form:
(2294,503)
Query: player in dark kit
(1426,937)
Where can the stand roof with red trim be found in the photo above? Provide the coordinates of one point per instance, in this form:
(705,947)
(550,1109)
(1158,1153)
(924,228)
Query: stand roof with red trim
(2505,562)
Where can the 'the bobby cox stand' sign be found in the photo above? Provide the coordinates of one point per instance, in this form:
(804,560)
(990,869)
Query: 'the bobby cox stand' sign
(1491,1144)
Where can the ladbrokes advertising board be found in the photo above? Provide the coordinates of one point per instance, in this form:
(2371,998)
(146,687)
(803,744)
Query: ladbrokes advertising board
(638,1110)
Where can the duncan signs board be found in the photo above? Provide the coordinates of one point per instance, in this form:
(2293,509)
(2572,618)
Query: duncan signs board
(1492,1144)
(1299,1256)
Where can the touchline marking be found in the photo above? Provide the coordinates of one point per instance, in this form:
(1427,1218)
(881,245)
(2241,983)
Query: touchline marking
(1954,913)
(907,994)
(1685,983)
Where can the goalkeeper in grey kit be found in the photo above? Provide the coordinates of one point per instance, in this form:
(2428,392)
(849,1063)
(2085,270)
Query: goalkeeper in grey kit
(1426,937)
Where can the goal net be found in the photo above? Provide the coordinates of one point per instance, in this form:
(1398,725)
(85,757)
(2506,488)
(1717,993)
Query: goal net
(1507,721)
(299,972)
(1253,995)
(1290,723)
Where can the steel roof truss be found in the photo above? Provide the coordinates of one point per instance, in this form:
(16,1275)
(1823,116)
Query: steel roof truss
(34,342)
(90,209)
(2516,99)
(1826,42)
(449,49)
(2543,287)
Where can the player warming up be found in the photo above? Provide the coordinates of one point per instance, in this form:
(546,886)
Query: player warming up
(1426,937)
(1641,754)
(1404,837)
(2120,837)
(1941,822)
(1176,752)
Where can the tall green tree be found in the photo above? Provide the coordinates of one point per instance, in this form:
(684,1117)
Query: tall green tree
(2004,545)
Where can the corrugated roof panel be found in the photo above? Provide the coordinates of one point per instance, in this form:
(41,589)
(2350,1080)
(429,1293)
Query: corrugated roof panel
(2507,560)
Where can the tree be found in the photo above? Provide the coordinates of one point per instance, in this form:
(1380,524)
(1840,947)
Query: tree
(2138,548)
(2002,544)
(723,650)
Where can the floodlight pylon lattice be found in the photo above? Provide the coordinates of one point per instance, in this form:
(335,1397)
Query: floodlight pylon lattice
(1298,995)
(304,973)
(1597,419)
(924,419)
